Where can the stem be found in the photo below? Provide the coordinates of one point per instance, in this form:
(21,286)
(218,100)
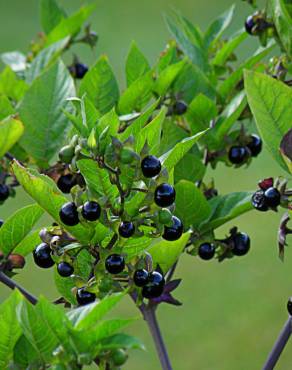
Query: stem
(12,285)
(279,346)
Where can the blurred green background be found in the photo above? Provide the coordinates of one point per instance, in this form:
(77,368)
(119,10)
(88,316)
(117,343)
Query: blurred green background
(232,312)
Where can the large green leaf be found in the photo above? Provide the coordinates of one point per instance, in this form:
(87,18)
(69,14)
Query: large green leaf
(10,132)
(28,244)
(191,205)
(190,168)
(100,86)
(136,64)
(270,103)
(45,124)
(24,355)
(51,15)
(12,86)
(283,22)
(9,329)
(45,192)
(228,48)
(226,207)
(6,108)
(17,226)
(167,77)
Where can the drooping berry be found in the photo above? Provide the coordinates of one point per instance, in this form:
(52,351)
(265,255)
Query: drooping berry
(115,263)
(42,256)
(273,197)
(141,277)
(150,166)
(91,211)
(65,269)
(180,107)
(84,297)
(126,229)
(155,285)
(249,24)
(175,231)
(4,192)
(206,251)
(1,222)
(15,261)
(66,183)
(241,244)
(119,357)
(78,70)
(69,214)
(164,195)
(255,145)
(259,202)
(289,306)
(238,154)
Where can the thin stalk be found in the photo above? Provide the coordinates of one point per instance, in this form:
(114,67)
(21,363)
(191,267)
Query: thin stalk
(279,346)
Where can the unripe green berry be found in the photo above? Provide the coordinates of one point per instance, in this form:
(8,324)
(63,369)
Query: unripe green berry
(165,216)
(127,156)
(119,357)
(66,154)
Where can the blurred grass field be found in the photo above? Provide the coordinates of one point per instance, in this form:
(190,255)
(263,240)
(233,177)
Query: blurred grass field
(232,312)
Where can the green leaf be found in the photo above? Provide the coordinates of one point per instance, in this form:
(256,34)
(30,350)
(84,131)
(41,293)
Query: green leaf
(136,64)
(135,246)
(70,26)
(165,253)
(190,168)
(191,205)
(45,192)
(283,23)
(15,60)
(137,95)
(9,329)
(100,86)
(46,58)
(225,208)
(25,355)
(10,132)
(171,135)
(51,15)
(121,341)
(270,103)
(173,156)
(45,124)
(167,77)
(6,108)
(216,28)
(12,86)
(28,244)
(17,226)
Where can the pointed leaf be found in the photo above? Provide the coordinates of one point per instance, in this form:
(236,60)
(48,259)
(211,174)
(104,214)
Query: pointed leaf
(10,132)
(136,64)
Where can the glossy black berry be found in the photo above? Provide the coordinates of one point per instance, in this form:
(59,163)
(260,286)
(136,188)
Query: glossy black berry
(164,195)
(206,251)
(42,256)
(259,202)
(241,244)
(180,107)
(175,231)
(238,154)
(80,70)
(91,211)
(126,229)
(66,183)
(69,214)
(150,166)
(115,263)
(65,269)
(141,277)
(249,24)
(289,306)
(83,297)
(155,285)
(255,145)
(273,197)
(1,222)
(4,192)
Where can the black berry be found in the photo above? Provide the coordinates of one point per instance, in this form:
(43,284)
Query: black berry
(175,231)
(164,195)
(4,192)
(83,297)
(259,202)
(126,229)
(115,263)
(80,70)
(273,197)
(155,285)
(206,251)
(66,183)
(69,214)
(141,277)
(65,269)
(255,145)
(1,222)
(238,154)
(91,211)
(180,107)
(241,244)
(249,24)
(289,306)
(151,166)
(42,256)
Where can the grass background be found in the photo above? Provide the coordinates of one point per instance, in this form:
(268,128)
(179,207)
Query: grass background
(232,312)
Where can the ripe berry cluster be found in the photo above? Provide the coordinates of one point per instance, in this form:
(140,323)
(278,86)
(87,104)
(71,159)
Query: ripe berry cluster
(4,192)
(240,154)
(267,197)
